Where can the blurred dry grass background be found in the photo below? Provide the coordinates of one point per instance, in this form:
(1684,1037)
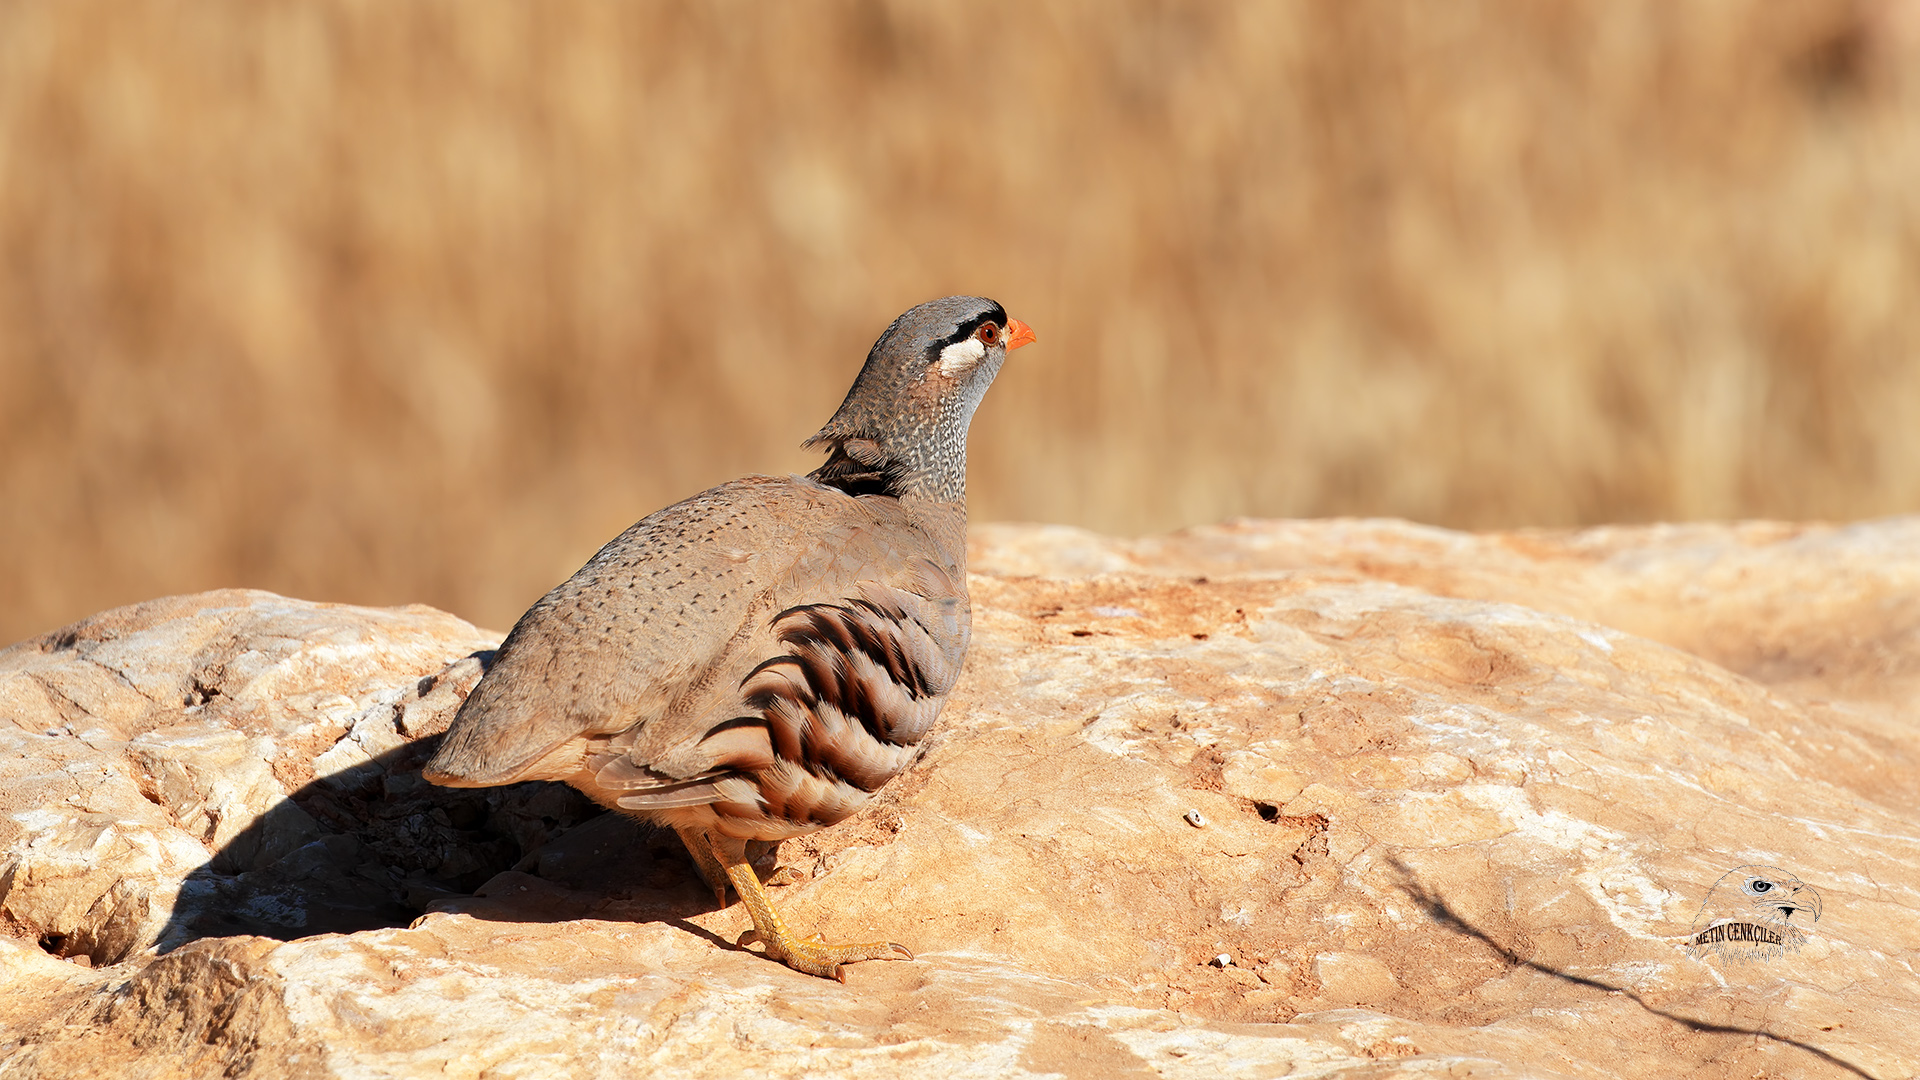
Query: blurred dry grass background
(422,302)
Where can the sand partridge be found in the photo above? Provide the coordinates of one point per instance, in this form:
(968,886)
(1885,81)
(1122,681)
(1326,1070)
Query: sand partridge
(755,662)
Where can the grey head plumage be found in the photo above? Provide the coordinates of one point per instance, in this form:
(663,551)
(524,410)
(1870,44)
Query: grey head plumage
(902,429)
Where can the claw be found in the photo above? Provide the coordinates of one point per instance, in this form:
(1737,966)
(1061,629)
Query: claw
(812,954)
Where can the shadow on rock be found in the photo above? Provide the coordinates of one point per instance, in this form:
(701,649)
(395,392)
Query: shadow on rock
(1443,914)
(376,846)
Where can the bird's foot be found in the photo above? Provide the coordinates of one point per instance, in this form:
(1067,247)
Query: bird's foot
(810,955)
(815,956)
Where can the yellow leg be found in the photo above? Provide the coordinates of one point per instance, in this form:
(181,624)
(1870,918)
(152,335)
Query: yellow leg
(710,867)
(813,956)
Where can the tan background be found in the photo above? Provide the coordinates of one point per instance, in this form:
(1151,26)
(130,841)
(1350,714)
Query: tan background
(422,302)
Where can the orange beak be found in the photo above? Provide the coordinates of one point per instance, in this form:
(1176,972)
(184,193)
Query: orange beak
(1018,334)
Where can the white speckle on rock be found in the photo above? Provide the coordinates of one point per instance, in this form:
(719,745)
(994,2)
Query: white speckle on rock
(1596,639)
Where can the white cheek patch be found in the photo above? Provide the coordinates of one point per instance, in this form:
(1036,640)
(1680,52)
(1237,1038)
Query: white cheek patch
(958,358)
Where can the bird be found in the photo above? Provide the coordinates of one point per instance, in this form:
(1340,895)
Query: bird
(1749,912)
(755,662)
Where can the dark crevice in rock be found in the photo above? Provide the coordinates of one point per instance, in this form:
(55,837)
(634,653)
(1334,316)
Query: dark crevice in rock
(199,692)
(72,713)
(120,677)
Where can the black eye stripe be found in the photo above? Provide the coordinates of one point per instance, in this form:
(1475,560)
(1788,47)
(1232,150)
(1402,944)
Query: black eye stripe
(994,314)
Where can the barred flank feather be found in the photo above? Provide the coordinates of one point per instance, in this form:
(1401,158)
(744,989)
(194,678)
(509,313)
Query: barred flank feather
(823,725)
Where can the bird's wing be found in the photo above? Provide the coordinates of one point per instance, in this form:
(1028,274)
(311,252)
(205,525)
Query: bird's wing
(661,627)
(841,695)
(827,697)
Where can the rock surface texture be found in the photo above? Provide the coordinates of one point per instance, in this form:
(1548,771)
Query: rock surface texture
(1268,799)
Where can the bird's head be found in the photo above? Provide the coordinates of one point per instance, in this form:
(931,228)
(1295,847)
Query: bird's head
(1763,894)
(904,424)
(1776,895)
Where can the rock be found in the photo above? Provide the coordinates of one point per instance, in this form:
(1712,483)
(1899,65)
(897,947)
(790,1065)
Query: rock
(1464,797)
(151,753)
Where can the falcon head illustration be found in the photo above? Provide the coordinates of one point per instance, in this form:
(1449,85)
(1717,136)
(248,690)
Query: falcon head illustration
(1755,910)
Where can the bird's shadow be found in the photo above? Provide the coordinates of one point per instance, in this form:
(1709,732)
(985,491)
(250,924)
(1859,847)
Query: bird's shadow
(376,846)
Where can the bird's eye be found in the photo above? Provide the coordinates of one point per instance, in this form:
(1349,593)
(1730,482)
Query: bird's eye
(1759,886)
(988,334)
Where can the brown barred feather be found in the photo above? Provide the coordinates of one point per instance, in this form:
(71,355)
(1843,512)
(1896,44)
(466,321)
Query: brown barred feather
(815,728)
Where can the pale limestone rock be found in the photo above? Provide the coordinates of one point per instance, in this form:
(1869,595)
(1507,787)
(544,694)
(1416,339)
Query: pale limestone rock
(1464,797)
(1354,978)
(152,749)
